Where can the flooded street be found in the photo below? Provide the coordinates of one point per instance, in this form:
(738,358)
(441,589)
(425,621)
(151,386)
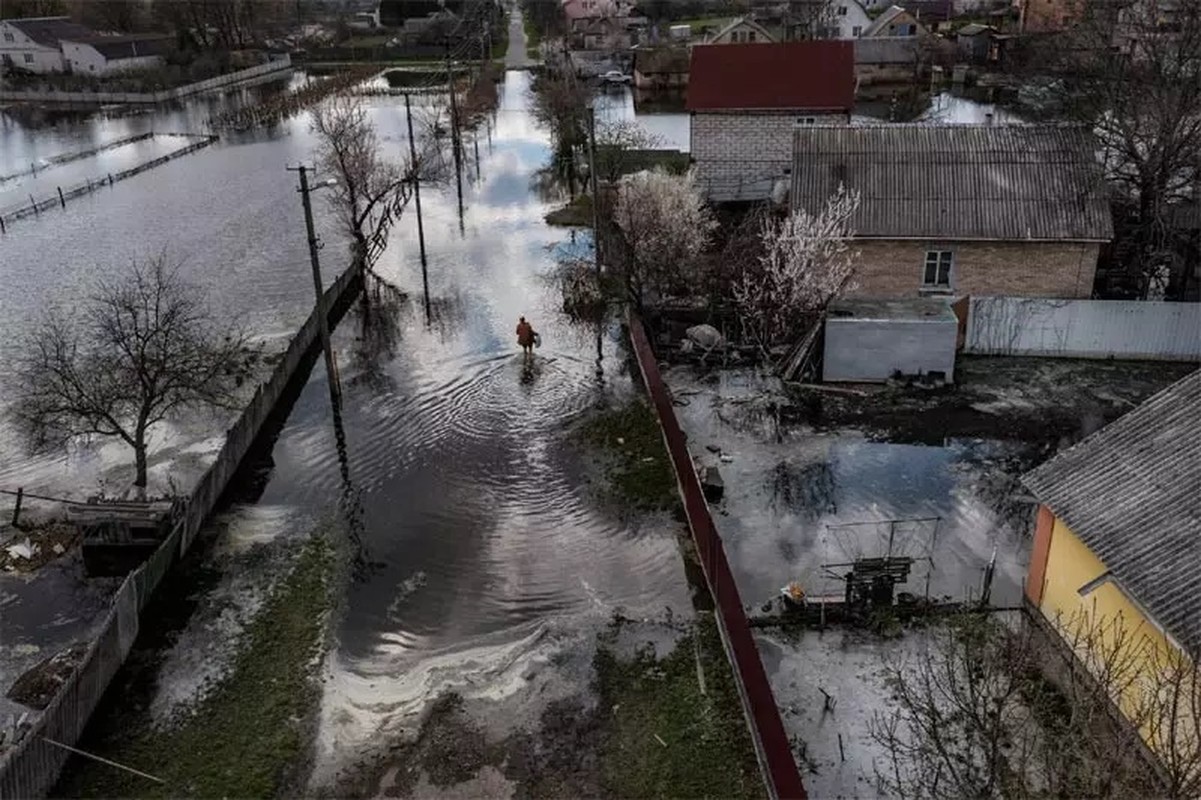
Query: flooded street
(480,555)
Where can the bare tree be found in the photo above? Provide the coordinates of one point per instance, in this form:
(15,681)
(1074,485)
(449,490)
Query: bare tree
(371,192)
(805,263)
(1131,70)
(143,349)
(990,710)
(664,225)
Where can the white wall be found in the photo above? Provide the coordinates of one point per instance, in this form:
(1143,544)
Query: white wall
(45,59)
(855,17)
(84,59)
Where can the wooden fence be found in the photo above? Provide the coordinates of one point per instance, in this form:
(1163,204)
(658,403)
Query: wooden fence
(35,207)
(31,768)
(772,747)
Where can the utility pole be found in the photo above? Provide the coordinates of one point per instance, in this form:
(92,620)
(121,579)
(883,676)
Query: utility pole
(454,131)
(596,237)
(322,312)
(425,277)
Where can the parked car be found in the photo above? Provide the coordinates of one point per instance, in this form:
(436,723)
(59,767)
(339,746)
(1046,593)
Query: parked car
(616,76)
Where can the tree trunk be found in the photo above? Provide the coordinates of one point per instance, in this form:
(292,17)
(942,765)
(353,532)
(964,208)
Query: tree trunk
(139,450)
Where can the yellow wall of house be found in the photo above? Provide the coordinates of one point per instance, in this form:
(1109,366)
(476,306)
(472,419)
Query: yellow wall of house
(1071,565)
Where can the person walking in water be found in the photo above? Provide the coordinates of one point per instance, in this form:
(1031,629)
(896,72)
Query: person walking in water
(525,337)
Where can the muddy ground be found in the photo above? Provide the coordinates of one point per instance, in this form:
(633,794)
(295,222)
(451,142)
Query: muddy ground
(1053,401)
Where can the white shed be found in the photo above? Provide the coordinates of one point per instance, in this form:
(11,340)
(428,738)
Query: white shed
(870,341)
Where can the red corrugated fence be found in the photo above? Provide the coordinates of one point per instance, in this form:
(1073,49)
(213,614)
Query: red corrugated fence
(759,704)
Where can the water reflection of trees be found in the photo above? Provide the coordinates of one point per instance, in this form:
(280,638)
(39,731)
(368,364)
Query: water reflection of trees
(381,314)
(807,489)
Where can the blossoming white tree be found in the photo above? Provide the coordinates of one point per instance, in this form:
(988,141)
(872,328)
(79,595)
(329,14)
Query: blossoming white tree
(806,262)
(664,225)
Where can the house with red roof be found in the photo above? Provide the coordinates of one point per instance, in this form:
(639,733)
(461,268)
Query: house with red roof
(747,99)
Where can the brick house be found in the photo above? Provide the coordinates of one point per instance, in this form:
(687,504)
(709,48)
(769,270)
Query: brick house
(955,210)
(746,99)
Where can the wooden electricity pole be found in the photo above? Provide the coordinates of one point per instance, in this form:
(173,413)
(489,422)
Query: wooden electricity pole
(425,277)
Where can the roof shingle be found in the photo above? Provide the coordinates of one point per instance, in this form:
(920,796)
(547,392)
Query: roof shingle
(811,76)
(1132,493)
(993,182)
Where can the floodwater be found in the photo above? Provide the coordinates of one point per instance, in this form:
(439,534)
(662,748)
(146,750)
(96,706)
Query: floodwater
(480,551)
(801,506)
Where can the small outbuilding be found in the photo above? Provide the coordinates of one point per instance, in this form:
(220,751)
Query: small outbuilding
(871,341)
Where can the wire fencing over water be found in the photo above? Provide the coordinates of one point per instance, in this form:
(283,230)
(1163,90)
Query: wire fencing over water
(32,766)
(35,206)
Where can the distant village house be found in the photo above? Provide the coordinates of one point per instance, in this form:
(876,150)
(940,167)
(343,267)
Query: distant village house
(661,68)
(55,44)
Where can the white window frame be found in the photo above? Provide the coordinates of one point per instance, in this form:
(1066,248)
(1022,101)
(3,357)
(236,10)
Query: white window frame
(28,58)
(8,37)
(937,258)
(857,31)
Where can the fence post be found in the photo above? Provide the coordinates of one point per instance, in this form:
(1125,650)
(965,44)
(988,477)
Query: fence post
(36,211)
(17,510)
(110,180)
(61,201)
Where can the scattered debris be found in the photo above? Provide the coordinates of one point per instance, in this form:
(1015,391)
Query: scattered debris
(38,546)
(37,687)
(712,484)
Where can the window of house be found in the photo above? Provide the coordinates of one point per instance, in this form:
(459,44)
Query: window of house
(937,271)
(750,36)
(8,37)
(857,30)
(806,120)
(911,30)
(28,58)
(842,11)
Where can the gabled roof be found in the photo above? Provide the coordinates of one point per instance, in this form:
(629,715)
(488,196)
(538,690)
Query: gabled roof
(761,31)
(992,182)
(132,46)
(884,20)
(809,76)
(49,31)
(1132,493)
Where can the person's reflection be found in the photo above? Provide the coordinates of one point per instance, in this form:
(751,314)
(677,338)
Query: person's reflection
(527,372)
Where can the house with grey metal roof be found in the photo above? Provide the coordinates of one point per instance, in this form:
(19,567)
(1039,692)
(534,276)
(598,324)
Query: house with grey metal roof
(955,210)
(1119,524)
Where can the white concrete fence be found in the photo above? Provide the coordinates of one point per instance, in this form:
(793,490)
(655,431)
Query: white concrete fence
(278,64)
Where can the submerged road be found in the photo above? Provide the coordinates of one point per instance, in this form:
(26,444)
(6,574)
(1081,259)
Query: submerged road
(453,469)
